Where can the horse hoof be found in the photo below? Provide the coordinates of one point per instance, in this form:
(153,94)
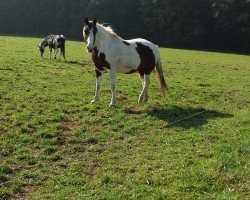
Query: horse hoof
(140,100)
(93,101)
(111,105)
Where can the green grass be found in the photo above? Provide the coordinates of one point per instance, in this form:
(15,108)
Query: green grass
(54,144)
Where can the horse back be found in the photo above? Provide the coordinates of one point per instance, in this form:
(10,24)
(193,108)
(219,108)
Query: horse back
(60,41)
(138,55)
(145,45)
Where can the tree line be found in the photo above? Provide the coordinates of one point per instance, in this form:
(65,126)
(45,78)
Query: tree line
(222,25)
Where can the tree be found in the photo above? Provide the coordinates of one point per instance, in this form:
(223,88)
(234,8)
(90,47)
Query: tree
(178,23)
(232,24)
(193,24)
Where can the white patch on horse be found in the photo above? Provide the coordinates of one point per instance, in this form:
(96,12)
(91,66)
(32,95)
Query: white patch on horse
(90,45)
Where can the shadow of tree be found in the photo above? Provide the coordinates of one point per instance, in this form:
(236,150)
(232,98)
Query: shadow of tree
(185,118)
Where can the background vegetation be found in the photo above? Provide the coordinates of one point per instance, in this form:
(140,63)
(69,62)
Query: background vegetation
(194,24)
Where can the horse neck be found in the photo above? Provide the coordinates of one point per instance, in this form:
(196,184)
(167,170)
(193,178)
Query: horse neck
(45,43)
(106,38)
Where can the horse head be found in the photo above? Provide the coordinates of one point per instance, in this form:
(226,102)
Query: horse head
(41,49)
(89,33)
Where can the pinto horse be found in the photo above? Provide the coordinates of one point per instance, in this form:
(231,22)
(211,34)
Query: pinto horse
(111,52)
(53,42)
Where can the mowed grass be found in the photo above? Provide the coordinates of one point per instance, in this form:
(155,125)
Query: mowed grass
(54,144)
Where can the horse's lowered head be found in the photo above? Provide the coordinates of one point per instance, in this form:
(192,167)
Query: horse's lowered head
(41,49)
(89,34)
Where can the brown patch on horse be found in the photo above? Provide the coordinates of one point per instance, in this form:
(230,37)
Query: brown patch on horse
(147,59)
(100,60)
(126,43)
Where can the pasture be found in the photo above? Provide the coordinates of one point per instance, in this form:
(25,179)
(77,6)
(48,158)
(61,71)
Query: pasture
(54,144)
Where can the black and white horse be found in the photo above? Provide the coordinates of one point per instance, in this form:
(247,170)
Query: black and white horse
(55,42)
(111,52)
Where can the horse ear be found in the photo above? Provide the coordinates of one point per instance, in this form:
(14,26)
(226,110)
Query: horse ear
(95,21)
(86,21)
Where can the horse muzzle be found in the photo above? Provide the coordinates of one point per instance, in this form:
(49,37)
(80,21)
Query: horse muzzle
(90,49)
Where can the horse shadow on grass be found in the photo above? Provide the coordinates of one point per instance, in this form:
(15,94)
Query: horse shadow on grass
(83,63)
(185,118)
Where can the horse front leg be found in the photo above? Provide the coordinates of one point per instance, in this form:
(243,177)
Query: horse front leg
(112,79)
(98,86)
(50,52)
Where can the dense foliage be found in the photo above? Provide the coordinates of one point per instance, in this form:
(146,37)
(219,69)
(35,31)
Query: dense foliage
(195,24)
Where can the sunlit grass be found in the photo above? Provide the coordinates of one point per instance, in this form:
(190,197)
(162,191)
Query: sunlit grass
(54,144)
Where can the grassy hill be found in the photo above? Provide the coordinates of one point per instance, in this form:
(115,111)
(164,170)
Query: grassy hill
(54,144)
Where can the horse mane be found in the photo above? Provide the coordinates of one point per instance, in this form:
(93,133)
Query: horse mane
(109,30)
(45,40)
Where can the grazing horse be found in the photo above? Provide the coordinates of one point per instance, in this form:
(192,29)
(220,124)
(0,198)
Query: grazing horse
(54,42)
(111,52)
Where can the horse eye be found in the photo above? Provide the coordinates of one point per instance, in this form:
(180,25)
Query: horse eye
(86,32)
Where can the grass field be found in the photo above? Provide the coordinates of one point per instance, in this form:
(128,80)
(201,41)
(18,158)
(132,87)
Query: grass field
(54,144)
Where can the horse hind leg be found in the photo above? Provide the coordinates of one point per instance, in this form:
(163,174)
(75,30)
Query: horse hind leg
(147,82)
(112,78)
(60,54)
(144,94)
(63,51)
(55,52)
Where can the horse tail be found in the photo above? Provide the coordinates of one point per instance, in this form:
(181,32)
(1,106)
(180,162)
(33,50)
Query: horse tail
(63,49)
(160,77)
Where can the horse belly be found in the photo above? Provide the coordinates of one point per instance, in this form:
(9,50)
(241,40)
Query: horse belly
(128,63)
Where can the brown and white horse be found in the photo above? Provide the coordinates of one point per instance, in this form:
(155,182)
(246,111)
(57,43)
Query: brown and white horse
(111,52)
